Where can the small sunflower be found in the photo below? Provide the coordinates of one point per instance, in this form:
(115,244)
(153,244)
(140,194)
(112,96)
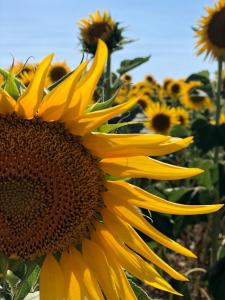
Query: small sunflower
(145,102)
(182,116)
(57,71)
(211,31)
(166,83)
(150,79)
(174,88)
(19,68)
(100,26)
(127,78)
(161,118)
(26,78)
(195,99)
(56,201)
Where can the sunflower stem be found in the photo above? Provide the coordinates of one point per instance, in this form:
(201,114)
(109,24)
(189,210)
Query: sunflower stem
(108,78)
(215,229)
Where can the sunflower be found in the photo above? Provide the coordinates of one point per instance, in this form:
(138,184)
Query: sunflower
(56,201)
(174,88)
(182,116)
(195,99)
(211,31)
(150,79)
(161,118)
(100,26)
(19,68)
(127,78)
(166,82)
(56,72)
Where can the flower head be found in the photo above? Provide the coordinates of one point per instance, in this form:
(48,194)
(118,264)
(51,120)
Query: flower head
(100,26)
(57,71)
(211,31)
(56,200)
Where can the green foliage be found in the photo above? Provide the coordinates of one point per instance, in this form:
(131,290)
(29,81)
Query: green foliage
(179,131)
(130,64)
(107,128)
(139,291)
(216,276)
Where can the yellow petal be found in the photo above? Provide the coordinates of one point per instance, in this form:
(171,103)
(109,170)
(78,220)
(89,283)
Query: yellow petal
(29,101)
(117,145)
(122,284)
(101,268)
(86,87)
(129,236)
(51,280)
(139,166)
(129,214)
(133,263)
(7,103)
(138,197)
(86,275)
(54,104)
(93,120)
(170,146)
(73,287)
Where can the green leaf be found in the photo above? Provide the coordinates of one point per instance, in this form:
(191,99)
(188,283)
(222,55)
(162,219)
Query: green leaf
(179,131)
(176,194)
(6,74)
(25,286)
(130,64)
(139,292)
(106,128)
(202,76)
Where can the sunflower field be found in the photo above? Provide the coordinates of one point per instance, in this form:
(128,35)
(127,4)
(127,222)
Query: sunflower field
(111,188)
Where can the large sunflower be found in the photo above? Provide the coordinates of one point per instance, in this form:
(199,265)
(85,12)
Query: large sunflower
(100,26)
(211,31)
(161,118)
(56,201)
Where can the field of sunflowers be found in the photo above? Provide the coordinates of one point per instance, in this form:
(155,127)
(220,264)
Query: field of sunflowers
(110,188)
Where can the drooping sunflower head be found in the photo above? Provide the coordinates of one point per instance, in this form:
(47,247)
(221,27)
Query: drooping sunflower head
(193,98)
(211,31)
(56,201)
(182,116)
(57,71)
(161,118)
(100,26)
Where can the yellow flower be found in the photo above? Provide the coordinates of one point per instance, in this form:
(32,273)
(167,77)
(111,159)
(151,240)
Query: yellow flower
(26,78)
(24,72)
(56,72)
(166,82)
(56,199)
(127,78)
(150,79)
(182,116)
(161,118)
(174,88)
(100,26)
(211,31)
(192,99)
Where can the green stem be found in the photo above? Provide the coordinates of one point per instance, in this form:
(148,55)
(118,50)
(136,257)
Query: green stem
(215,229)
(108,78)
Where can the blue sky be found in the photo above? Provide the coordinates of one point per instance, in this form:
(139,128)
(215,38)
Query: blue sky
(162,28)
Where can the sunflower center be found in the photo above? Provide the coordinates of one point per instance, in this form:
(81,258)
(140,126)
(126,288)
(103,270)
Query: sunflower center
(175,88)
(181,120)
(50,187)
(216,29)
(161,122)
(57,73)
(142,103)
(99,30)
(197,99)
